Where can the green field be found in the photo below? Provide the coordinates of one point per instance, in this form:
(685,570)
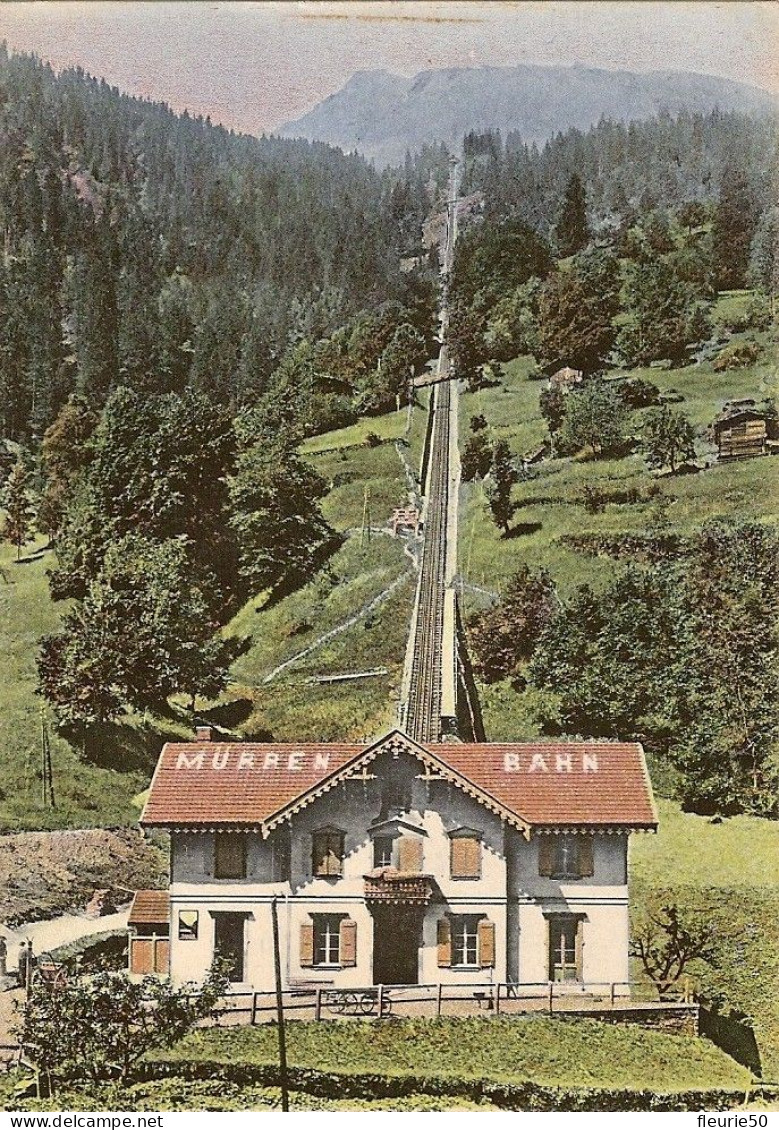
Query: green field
(88,792)
(550,503)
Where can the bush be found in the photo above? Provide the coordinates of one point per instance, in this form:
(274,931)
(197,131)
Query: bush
(738,356)
(97,1029)
(637,393)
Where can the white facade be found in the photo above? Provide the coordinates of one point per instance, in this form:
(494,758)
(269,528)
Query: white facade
(506,922)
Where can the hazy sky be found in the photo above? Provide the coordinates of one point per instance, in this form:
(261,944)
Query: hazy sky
(254,66)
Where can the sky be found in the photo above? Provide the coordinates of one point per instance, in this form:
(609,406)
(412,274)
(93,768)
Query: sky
(255,66)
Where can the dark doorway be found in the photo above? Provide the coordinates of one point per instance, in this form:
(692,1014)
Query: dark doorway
(229,942)
(397,936)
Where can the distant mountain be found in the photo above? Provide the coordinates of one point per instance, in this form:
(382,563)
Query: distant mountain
(382,115)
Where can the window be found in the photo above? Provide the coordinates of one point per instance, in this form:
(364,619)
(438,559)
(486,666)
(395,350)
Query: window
(564,948)
(565,856)
(382,851)
(465,855)
(327,936)
(188,924)
(328,853)
(465,940)
(229,856)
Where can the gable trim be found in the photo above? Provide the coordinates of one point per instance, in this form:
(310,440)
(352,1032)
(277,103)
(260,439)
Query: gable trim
(397,742)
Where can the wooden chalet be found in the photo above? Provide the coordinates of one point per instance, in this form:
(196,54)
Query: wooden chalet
(741,430)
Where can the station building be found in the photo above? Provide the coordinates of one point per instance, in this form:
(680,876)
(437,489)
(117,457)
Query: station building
(398,863)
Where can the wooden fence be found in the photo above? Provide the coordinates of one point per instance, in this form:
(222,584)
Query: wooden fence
(452,999)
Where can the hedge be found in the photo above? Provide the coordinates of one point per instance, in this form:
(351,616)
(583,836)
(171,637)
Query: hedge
(526,1096)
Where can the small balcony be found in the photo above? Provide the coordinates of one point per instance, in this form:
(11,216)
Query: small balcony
(398,888)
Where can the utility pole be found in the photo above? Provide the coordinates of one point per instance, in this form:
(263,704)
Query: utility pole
(47,775)
(366,519)
(280,1009)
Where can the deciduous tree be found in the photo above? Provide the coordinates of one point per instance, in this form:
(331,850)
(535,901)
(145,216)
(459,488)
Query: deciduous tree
(596,417)
(18,524)
(506,635)
(667,438)
(96,1029)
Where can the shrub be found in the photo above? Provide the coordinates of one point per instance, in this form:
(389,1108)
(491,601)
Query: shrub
(738,356)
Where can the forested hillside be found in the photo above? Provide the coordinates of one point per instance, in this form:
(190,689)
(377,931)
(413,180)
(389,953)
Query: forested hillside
(157,252)
(181,306)
(637,267)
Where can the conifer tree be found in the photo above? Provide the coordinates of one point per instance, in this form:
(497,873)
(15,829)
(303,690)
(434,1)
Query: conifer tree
(572,231)
(503,476)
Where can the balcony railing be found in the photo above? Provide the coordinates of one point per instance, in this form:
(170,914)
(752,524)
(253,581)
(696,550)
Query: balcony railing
(399,887)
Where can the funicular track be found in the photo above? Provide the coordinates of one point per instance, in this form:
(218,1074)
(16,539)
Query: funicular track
(423,711)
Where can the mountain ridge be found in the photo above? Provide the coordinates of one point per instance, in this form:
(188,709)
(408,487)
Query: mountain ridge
(382,114)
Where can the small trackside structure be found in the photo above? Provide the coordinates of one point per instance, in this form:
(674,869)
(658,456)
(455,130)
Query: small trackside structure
(566,379)
(399,863)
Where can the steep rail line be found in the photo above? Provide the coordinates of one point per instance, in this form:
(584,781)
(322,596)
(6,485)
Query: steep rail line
(423,711)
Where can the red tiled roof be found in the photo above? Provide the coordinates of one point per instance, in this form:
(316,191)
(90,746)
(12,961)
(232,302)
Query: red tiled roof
(554,783)
(598,784)
(150,908)
(237,783)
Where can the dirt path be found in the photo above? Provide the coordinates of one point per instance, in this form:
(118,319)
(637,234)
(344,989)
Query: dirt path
(51,933)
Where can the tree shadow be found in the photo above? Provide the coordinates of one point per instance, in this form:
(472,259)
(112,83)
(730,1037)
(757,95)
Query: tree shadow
(228,715)
(297,578)
(261,736)
(121,747)
(522,529)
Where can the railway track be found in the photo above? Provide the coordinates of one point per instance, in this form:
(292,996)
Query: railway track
(422,714)
(423,711)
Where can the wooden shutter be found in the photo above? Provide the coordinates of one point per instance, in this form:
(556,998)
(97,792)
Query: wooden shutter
(229,856)
(546,856)
(585,857)
(410,854)
(306,944)
(466,857)
(486,943)
(444,943)
(347,942)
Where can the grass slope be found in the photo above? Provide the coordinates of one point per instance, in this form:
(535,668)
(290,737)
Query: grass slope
(728,872)
(552,1052)
(87,792)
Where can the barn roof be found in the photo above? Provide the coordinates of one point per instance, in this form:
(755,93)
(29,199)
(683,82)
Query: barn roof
(149,908)
(530,785)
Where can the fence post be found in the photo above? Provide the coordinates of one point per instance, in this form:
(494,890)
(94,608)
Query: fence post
(551,996)
(380,1002)
(438,999)
(254,1009)
(318,1005)
(497,999)
(613,993)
